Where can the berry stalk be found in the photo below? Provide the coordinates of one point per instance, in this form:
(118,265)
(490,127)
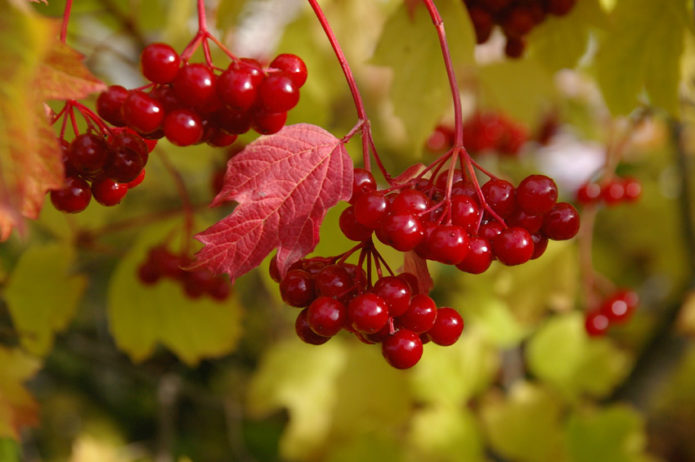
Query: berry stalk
(66,20)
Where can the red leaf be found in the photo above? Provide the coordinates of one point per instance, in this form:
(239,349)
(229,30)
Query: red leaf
(284,184)
(413,263)
(63,75)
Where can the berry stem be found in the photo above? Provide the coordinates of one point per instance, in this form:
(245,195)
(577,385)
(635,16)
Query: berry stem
(73,120)
(185,200)
(89,115)
(66,20)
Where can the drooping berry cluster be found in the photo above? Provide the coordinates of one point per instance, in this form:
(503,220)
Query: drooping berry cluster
(189,103)
(613,192)
(105,167)
(516,18)
(162,263)
(482,133)
(339,296)
(616,309)
(459,230)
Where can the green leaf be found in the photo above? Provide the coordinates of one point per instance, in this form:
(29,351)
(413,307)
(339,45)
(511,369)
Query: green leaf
(559,42)
(43,294)
(613,434)
(445,434)
(561,354)
(420,91)
(525,425)
(30,159)
(301,378)
(142,316)
(641,51)
(451,375)
(9,450)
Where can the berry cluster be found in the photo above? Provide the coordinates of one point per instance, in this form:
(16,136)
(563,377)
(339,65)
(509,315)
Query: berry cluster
(613,192)
(513,225)
(483,132)
(339,296)
(189,103)
(162,263)
(105,167)
(516,18)
(616,309)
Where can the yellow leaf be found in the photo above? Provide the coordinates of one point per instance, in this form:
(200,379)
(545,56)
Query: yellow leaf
(63,75)
(17,407)
(445,434)
(39,312)
(686,316)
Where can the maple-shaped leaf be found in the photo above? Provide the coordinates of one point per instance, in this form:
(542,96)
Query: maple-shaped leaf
(30,158)
(63,75)
(284,184)
(17,408)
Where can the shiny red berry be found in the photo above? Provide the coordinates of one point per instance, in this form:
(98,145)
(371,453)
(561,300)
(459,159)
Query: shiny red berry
(109,104)
(499,195)
(107,191)
(368,313)
(183,127)
(513,246)
(142,112)
(396,292)
(304,332)
(351,228)
(402,349)
(87,153)
(420,315)
(596,323)
(478,258)
(292,65)
(536,194)
(73,197)
(159,63)
(562,222)
(326,316)
(447,328)
(194,85)
(278,93)
(448,244)
(297,288)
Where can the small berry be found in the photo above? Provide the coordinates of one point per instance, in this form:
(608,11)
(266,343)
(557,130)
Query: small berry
(562,222)
(613,192)
(370,208)
(499,194)
(237,87)
(540,243)
(362,182)
(159,63)
(396,292)
(333,281)
(304,332)
(73,197)
(107,191)
(464,212)
(142,112)
(620,306)
(278,93)
(633,189)
(148,273)
(351,228)
(409,201)
(478,258)
(368,313)
(87,153)
(109,104)
(124,165)
(292,65)
(138,179)
(194,85)
(183,127)
(421,314)
(588,193)
(297,288)
(402,349)
(448,244)
(267,123)
(447,328)
(403,231)
(596,323)
(326,316)
(536,194)
(513,246)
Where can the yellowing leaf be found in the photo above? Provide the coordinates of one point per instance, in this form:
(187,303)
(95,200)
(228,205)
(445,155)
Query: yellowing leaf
(17,408)
(445,434)
(42,294)
(613,434)
(30,159)
(142,316)
(63,75)
(301,378)
(686,315)
(526,425)
(641,51)
(409,46)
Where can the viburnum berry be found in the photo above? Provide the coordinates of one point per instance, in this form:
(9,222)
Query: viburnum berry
(482,23)
(588,193)
(195,85)
(370,208)
(402,231)
(499,195)
(142,112)
(513,246)
(402,349)
(395,292)
(326,316)
(447,328)
(197,282)
(540,243)
(479,256)
(514,47)
(620,306)
(87,153)
(148,273)
(351,228)
(368,313)
(448,244)
(613,192)
(107,191)
(267,123)
(183,127)
(362,182)
(297,288)
(237,87)
(531,223)
(490,230)
(292,65)
(633,189)
(73,197)
(138,179)
(536,194)
(562,222)
(304,332)
(559,7)
(333,281)
(159,63)
(278,93)
(465,212)
(109,104)
(124,165)
(409,201)
(596,323)
(420,315)
(441,139)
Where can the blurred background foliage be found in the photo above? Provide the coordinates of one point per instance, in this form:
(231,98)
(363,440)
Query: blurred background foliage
(96,367)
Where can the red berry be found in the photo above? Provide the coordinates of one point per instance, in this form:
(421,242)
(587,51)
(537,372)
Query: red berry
(412,281)
(292,66)
(168,264)
(521,219)
(274,270)
(297,288)
(107,191)
(499,195)
(478,258)
(447,328)
(233,121)
(613,192)
(124,165)
(304,332)
(267,123)
(326,316)
(87,153)
(159,63)
(219,289)
(73,197)
(409,201)
(370,208)
(220,138)
(395,292)
(633,189)
(465,212)
(148,273)
(448,244)
(109,104)
(167,97)
(403,349)
(197,282)
(351,228)
(596,323)
(142,113)
(559,7)
(483,23)
(514,47)
(518,21)
(183,127)
(194,85)
(620,306)
(441,139)
(588,193)
(237,87)
(490,230)
(362,182)
(421,314)
(562,222)
(278,93)
(540,243)
(536,194)
(138,179)
(513,246)
(333,281)
(403,232)
(368,313)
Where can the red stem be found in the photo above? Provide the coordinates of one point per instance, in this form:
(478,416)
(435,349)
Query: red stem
(66,20)
(89,114)
(185,199)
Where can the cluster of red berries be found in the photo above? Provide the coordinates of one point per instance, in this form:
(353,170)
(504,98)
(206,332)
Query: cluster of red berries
(616,309)
(99,166)
(613,192)
(188,103)
(516,18)
(338,296)
(460,231)
(483,132)
(162,263)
